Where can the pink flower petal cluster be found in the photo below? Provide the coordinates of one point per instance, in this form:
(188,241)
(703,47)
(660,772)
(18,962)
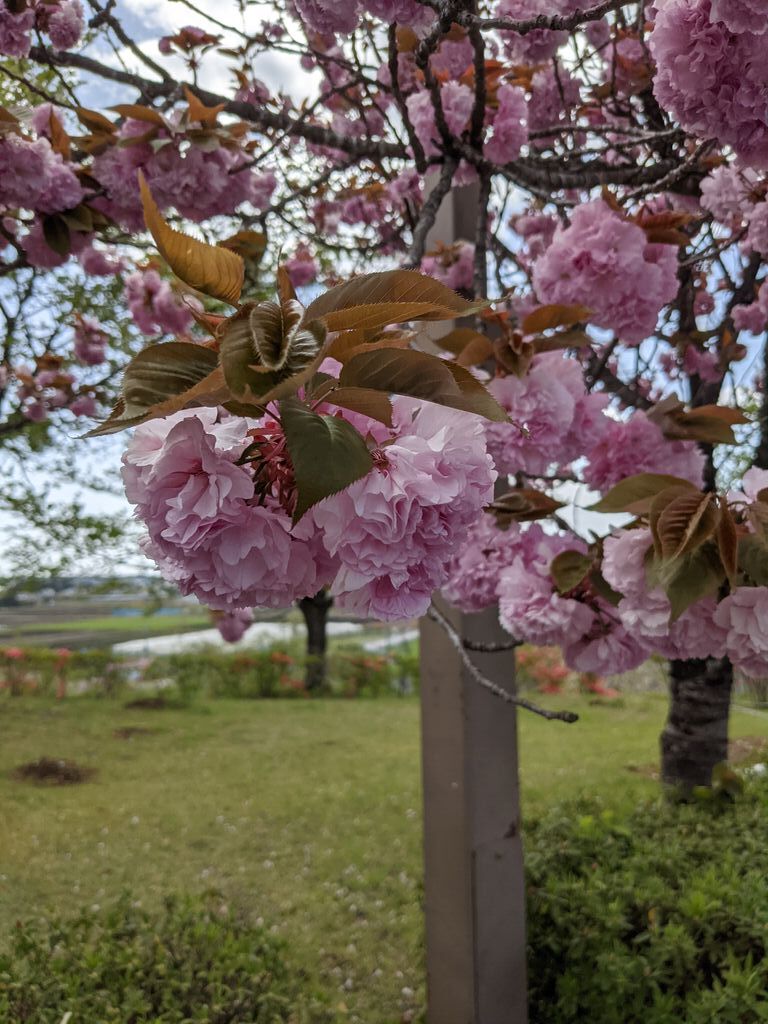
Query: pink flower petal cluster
(712,79)
(154,306)
(510,126)
(329,16)
(235,624)
(645,614)
(637,445)
(554,418)
(740,15)
(534,47)
(91,340)
(551,95)
(457,100)
(530,609)
(384,543)
(302,267)
(607,649)
(394,531)
(181,473)
(744,615)
(725,192)
(199,181)
(473,571)
(15,29)
(454,265)
(34,177)
(65,23)
(606,263)
(757,235)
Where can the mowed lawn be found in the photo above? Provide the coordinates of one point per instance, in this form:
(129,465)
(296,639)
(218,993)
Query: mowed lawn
(306,813)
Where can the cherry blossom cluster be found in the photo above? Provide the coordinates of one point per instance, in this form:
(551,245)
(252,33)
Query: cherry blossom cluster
(217,496)
(63,22)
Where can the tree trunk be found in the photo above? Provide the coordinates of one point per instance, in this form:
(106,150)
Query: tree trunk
(695,737)
(315,611)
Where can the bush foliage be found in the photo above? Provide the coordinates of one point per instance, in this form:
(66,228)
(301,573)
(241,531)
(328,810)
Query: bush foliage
(194,961)
(659,918)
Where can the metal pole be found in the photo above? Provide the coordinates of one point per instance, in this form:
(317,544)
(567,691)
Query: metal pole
(473,859)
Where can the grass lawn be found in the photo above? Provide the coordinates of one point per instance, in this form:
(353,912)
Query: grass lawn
(120,624)
(307,813)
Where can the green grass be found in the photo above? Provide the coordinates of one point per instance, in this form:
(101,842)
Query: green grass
(151,625)
(307,813)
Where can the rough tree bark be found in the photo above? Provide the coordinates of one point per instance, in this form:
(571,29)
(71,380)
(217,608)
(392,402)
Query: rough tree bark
(695,737)
(315,611)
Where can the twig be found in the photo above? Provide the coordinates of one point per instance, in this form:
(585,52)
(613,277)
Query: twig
(428,213)
(510,698)
(491,648)
(558,23)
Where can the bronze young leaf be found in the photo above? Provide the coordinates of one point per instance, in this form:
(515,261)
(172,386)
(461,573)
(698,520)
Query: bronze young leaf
(636,493)
(210,269)
(393,288)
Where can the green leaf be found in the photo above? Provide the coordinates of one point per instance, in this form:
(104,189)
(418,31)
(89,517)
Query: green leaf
(569,569)
(753,559)
(327,453)
(57,235)
(688,579)
(636,493)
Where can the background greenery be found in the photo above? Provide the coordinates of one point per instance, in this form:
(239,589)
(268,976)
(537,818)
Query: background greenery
(305,815)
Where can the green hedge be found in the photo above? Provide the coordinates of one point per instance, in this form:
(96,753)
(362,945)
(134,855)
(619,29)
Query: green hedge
(278,671)
(657,918)
(193,961)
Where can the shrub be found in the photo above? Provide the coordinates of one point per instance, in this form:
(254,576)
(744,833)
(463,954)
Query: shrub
(194,961)
(660,917)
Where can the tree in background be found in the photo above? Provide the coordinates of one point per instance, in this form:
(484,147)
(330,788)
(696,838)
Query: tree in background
(615,158)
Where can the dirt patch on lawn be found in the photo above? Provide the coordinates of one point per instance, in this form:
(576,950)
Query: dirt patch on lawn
(128,732)
(742,750)
(52,771)
(149,704)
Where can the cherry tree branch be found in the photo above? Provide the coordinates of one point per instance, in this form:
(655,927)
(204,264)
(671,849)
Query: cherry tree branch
(437,616)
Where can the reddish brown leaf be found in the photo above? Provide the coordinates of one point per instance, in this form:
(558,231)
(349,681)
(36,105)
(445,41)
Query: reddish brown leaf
(546,317)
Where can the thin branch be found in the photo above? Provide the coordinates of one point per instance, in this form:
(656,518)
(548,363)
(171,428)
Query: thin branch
(428,214)
(510,698)
(559,23)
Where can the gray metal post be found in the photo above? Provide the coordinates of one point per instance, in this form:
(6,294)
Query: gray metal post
(473,859)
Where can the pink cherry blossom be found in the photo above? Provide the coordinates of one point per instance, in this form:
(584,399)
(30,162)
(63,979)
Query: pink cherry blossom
(510,126)
(329,16)
(607,264)
(90,340)
(744,614)
(607,649)
(394,531)
(725,192)
(234,625)
(15,30)
(531,610)
(154,306)
(65,24)
(714,81)
(636,445)
(454,265)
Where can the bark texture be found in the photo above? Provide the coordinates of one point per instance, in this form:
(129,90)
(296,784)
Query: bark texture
(315,611)
(695,737)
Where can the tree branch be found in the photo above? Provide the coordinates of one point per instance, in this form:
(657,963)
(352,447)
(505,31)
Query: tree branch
(510,698)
